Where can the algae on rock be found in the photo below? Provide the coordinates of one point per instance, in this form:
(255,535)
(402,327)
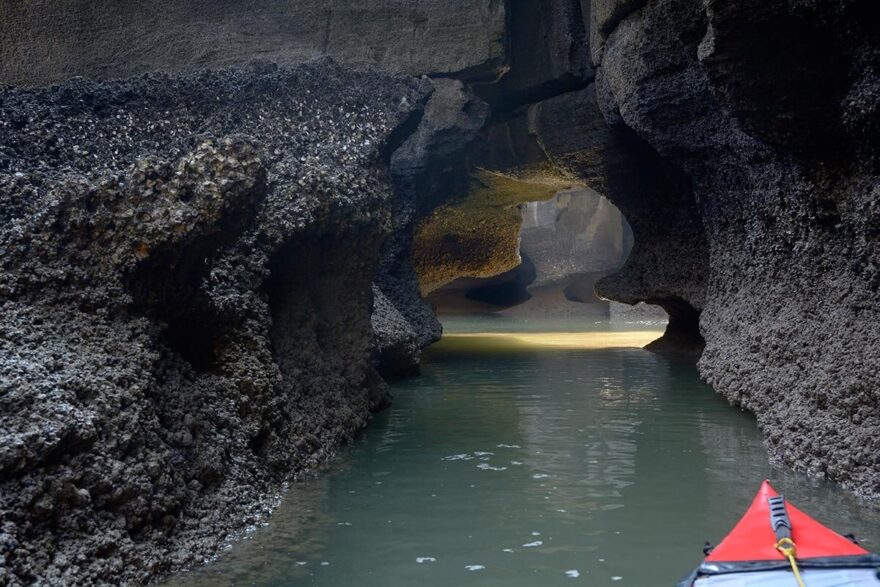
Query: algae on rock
(477,236)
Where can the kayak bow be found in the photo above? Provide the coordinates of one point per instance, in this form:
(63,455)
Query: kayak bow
(774,543)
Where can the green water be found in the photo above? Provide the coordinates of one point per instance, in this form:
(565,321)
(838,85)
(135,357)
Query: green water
(529,467)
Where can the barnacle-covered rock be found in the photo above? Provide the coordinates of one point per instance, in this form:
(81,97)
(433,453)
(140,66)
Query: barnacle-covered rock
(173,345)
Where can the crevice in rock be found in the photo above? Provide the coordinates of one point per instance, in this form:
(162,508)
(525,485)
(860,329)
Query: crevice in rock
(167,288)
(682,335)
(546,56)
(430,166)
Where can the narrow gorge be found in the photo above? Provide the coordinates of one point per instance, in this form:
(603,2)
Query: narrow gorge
(227,227)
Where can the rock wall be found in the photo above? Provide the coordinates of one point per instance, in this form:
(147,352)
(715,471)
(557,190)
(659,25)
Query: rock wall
(426,169)
(770,110)
(566,243)
(462,39)
(575,233)
(567,137)
(109,39)
(184,325)
(220,336)
(740,142)
(479,234)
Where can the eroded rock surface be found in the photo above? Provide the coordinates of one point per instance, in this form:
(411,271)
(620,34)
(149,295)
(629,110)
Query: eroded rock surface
(186,302)
(568,137)
(740,142)
(478,234)
(770,110)
(577,232)
(428,168)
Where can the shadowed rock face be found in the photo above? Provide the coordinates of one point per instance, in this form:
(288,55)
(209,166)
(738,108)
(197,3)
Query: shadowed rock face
(547,54)
(173,339)
(740,141)
(769,109)
(426,169)
(478,235)
(109,39)
(567,136)
(566,243)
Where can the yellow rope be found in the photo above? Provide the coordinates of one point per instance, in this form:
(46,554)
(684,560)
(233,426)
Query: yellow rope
(788,549)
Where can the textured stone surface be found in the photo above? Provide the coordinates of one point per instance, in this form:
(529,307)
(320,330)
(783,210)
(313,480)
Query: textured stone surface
(604,18)
(669,254)
(427,168)
(477,235)
(546,54)
(118,38)
(475,230)
(576,232)
(566,242)
(770,110)
(639,313)
(397,343)
(173,339)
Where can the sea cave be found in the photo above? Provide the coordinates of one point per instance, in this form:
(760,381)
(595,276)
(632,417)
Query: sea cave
(439,292)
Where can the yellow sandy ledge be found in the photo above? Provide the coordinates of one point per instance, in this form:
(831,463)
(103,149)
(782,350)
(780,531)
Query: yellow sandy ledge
(556,340)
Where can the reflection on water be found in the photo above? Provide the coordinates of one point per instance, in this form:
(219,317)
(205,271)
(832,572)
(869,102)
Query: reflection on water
(501,323)
(528,466)
(507,341)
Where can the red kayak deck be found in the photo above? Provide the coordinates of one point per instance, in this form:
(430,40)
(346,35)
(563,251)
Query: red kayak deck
(752,539)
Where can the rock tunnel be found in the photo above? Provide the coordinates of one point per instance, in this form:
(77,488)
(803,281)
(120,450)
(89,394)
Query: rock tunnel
(558,157)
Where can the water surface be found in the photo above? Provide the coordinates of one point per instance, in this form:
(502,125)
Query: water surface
(529,465)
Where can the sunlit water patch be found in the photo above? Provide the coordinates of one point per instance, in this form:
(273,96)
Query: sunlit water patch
(507,341)
(521,465)
(500,323)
